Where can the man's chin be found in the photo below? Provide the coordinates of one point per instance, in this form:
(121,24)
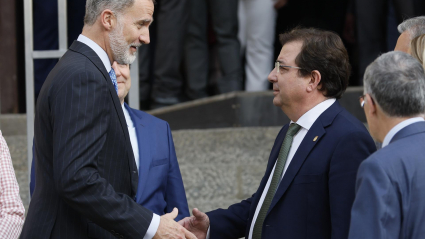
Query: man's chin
(126,61)
(277,102)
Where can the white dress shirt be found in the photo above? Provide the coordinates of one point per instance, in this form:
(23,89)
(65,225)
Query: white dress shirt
(153,227)
(305,121)
(99,51)
(399,127)
(133,136)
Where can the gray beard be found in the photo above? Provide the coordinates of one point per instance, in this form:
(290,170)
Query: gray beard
(120,48)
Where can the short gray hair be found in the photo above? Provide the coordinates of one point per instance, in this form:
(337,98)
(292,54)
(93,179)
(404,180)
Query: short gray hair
(396,82)
(415,26)
(95,7)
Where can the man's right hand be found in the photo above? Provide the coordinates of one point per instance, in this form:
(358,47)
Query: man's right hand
(169,229)
(198,224)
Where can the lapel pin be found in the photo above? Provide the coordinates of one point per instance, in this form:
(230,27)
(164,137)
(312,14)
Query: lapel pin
(315,138)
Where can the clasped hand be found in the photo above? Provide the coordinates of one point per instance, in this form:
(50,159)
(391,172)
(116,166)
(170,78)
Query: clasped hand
(198,224)
(169,229)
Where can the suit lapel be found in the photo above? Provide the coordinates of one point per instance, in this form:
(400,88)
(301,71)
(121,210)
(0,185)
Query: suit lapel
(144,143)
(306,146)
(94,58)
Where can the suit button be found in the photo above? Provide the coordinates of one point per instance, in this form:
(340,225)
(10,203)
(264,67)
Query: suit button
(134,172)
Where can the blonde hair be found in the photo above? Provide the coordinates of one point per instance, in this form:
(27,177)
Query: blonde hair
(417,47)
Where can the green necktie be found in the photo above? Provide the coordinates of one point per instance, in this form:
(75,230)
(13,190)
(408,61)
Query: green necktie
(280,165)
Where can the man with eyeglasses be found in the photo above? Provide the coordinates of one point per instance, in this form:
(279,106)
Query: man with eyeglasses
(308,187)
(390,185)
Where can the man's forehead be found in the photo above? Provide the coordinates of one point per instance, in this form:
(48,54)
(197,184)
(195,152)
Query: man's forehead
(290,51)
(141,7)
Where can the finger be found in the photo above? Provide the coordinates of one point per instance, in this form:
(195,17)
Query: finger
(198,214)
(173,214)
(183,221)
(189,235)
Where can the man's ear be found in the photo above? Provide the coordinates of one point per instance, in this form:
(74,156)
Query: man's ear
(315,79)
(371,105)
(108,19)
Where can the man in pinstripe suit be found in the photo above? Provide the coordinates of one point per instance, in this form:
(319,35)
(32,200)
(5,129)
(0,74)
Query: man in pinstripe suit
(86,175)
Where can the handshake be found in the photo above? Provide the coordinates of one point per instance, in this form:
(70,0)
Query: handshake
(194,227)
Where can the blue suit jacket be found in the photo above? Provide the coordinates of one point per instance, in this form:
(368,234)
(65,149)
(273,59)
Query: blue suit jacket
(390,189)
(315,196)
(160,186)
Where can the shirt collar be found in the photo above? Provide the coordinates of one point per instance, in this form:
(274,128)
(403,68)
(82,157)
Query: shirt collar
(127,116)
(96,48)
(399,127)
(309,117)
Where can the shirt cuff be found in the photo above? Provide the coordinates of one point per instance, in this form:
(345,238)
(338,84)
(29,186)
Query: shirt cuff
(153,227)
(208,233)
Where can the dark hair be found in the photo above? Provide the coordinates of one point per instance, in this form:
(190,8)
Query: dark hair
(322,51)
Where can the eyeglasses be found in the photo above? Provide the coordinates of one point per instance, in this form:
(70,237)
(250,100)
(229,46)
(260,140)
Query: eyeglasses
(362,101)
(277,65)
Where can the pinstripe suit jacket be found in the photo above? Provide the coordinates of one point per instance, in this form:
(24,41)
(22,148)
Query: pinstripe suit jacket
(85,172)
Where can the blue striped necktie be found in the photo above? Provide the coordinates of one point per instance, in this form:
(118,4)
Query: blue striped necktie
(114,79)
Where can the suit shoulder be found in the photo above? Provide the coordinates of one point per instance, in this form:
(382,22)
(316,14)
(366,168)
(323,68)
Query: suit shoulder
(402,151)
(349,123)
(149,118)
(72,66)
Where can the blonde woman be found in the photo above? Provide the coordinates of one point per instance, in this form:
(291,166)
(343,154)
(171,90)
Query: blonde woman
(417,48)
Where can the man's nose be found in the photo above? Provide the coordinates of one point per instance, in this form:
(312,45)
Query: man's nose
(145,38)
(272,76)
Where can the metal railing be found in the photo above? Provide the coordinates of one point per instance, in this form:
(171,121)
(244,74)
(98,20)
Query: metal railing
(30,55)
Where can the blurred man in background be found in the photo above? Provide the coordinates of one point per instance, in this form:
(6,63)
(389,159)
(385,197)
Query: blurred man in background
(224,21)
(390,185)
(409,29)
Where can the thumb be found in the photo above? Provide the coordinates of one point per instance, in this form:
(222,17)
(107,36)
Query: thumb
(198,214)
(173,214)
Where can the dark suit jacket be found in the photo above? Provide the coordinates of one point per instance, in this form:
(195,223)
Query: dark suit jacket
(160,186)
(315,195)
(160,182)
(85,171)
(390,189)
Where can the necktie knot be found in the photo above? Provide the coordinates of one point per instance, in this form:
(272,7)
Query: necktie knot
(293,129)
(114,79)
